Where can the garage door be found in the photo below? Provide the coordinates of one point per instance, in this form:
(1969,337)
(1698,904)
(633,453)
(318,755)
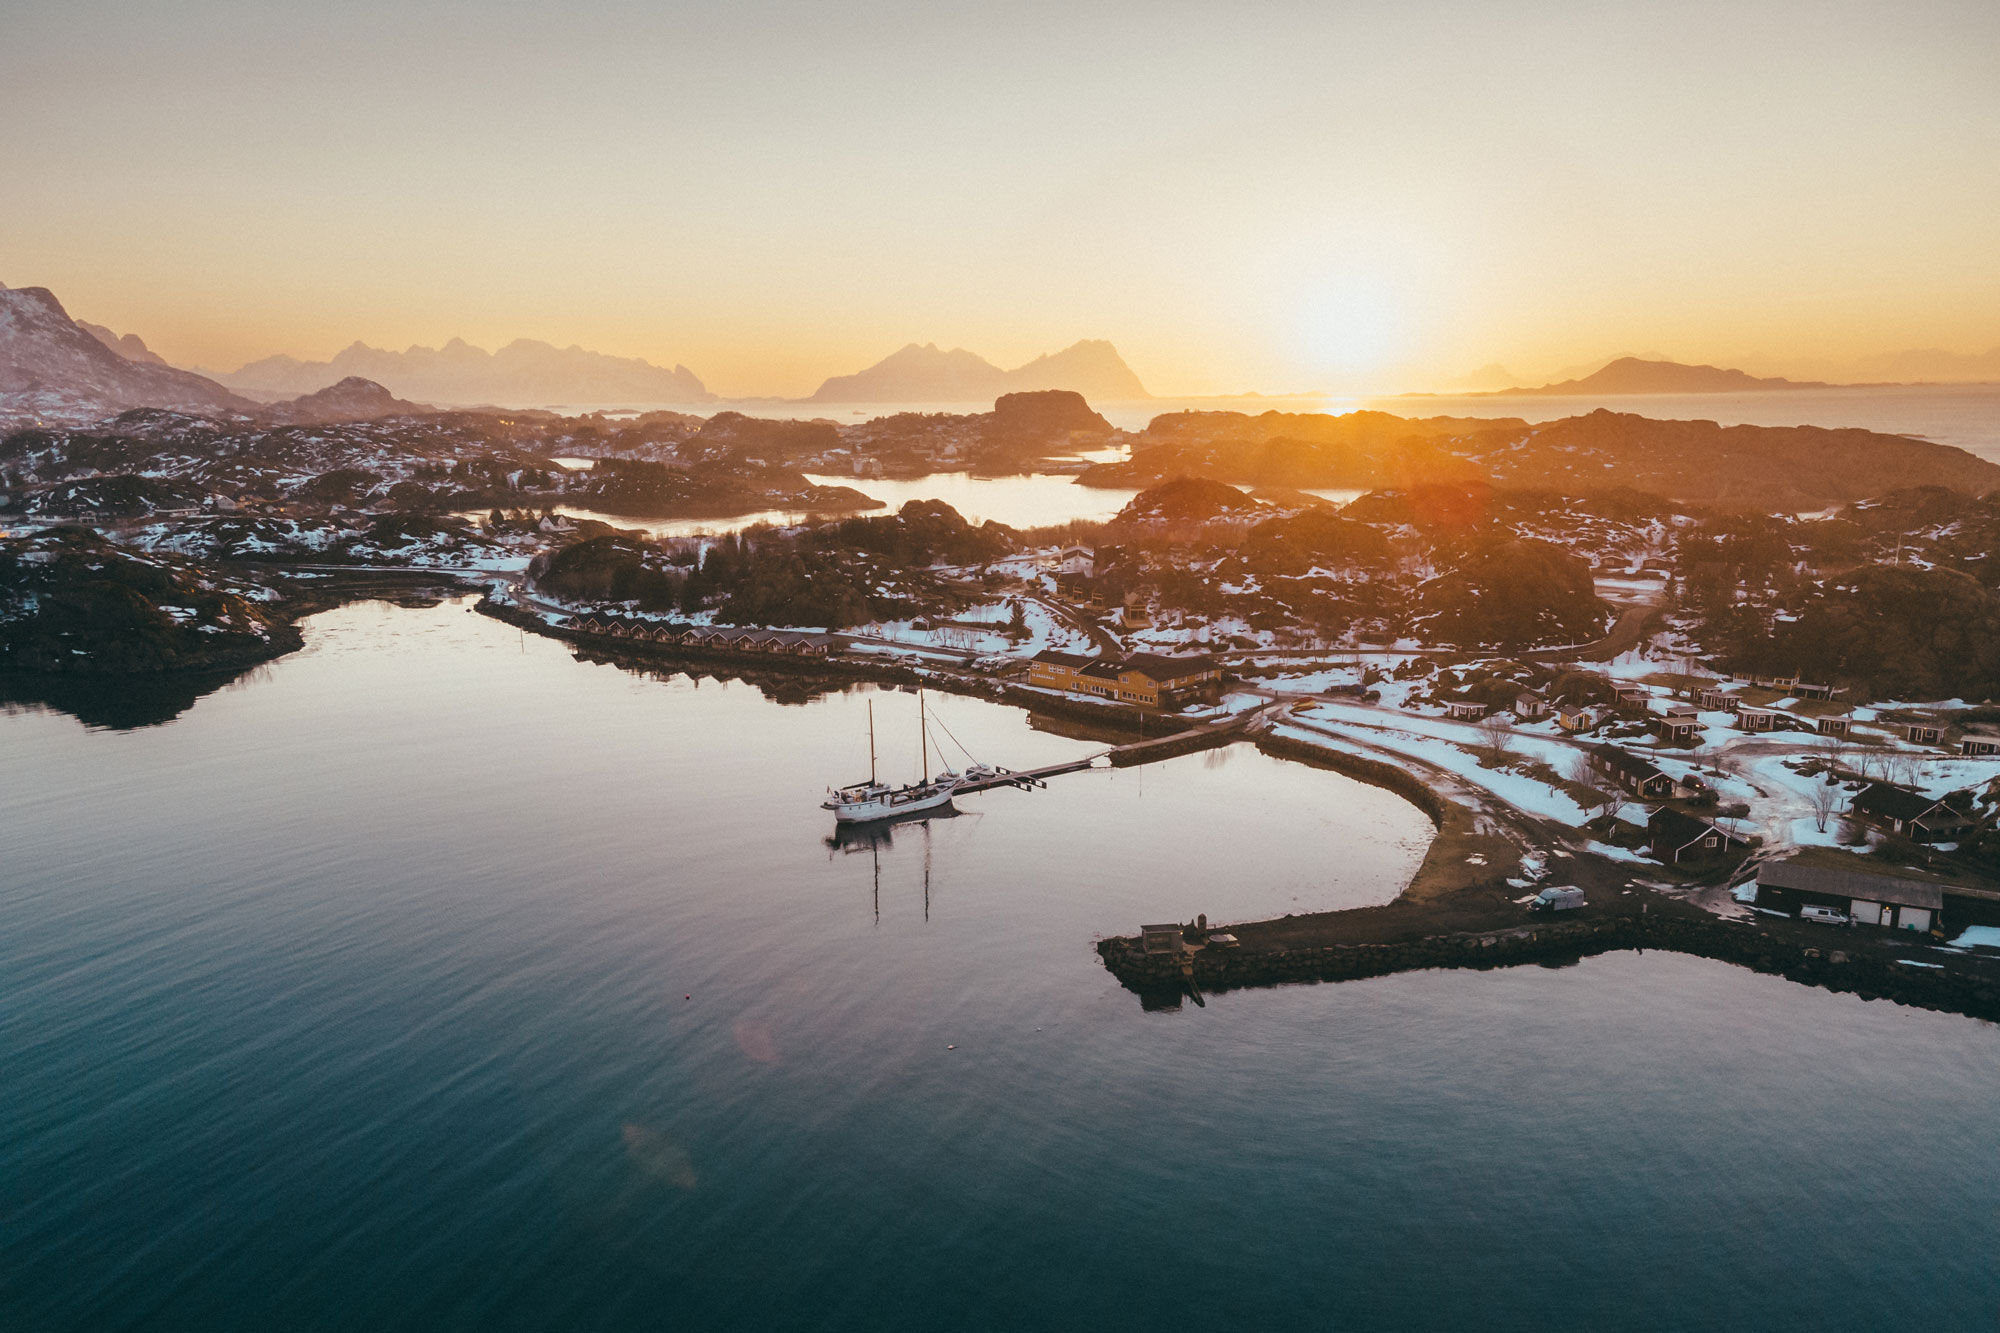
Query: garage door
(1914,918)
(1867,913)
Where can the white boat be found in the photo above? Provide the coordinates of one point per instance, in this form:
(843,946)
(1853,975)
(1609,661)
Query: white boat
(874,800)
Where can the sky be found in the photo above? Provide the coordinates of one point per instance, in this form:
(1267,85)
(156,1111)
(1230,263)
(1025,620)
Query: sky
(1240,196)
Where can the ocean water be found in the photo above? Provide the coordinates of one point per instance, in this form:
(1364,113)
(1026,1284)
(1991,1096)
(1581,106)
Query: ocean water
(434,979)
(1965,415)
(1032,500)
(1025,501)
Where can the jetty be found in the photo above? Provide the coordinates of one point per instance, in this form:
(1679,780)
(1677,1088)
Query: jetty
(1117,756)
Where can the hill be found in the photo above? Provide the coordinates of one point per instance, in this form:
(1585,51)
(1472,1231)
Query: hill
(524,372)
(72,602)
(353,399)
(1297,450)
(1631,375)
(929,374)
(1188,500)
(54,370)
(1772,468)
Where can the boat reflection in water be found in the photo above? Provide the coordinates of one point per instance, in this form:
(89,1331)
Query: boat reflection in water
(880,836)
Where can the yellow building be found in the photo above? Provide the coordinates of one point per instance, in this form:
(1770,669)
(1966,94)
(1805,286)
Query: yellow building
(1146,679)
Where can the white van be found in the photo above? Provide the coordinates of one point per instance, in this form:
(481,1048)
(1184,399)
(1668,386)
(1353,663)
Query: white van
(1557,900)
(1825,916)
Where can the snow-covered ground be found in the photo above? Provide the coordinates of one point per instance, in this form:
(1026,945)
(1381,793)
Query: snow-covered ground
(971,635)
(1420,740)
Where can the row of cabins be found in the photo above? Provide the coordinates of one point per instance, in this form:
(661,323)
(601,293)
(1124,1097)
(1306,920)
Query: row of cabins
(1639,776)
(1680,724)
(1527,707)
(1149,680)
(795,643)
(1976,742)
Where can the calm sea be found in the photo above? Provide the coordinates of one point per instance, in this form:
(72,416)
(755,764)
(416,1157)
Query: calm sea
(433,979)
(1966,415)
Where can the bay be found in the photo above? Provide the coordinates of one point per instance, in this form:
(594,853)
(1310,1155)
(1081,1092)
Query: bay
(433,978)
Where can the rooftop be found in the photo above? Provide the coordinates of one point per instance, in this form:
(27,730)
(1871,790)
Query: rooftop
(1850,884)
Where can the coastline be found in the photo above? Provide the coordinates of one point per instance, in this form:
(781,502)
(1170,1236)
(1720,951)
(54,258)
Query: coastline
(1459,908)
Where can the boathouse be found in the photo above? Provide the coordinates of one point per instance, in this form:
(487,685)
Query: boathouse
(1923,733)
(1866,899)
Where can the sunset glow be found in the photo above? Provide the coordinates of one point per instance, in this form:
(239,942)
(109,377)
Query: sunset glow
(1269,197)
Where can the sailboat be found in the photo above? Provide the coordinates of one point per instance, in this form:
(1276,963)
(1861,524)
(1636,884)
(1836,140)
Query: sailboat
(867,802)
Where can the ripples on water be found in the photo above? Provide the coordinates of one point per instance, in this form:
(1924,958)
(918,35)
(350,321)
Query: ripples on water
(435,979)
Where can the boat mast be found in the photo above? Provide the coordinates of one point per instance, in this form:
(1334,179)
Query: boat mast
(924,736)
(871,742)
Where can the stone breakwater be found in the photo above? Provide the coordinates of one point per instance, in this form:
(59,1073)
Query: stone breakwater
(1865,968)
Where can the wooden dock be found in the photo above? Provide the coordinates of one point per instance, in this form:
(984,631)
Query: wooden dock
(1120,756)
(1026,777)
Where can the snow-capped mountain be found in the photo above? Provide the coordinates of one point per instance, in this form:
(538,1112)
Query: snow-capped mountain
(54,370)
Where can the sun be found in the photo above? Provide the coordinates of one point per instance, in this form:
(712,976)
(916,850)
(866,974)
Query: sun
(1351,321)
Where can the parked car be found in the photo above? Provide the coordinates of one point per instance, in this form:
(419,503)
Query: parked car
(1825,916)
(1557,900)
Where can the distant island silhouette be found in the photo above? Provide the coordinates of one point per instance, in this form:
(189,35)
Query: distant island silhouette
(524,371)
(929,374)
(1633,375)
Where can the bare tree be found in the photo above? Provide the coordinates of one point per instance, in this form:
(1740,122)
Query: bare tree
(1496,736)
(1825,798)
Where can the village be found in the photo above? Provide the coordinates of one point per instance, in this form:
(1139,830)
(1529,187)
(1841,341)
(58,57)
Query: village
(1749,797)
(1610,679)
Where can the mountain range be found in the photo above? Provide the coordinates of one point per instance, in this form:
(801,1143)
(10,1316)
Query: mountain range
(55,369)
(928,374)
(524,373)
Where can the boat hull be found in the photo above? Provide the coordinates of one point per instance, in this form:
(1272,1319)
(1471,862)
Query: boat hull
(893,805)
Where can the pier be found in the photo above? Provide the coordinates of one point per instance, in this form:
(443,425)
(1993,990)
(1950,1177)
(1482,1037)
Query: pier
(1119,756)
